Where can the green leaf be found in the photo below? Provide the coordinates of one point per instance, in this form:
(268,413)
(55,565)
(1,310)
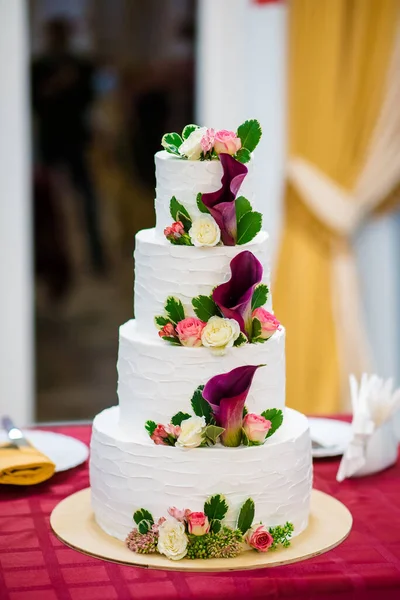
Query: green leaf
(176,207)
(215,526)
(174,309)
(142,514)
(216,507)
(186,222)
(188,130)
(205,308)
(275,415)
(248,227)
(243,155)
(161,321)
(171,340)
(200,406)
(260,296)
(212,433)
(179,417)
(144,526)
(245,411)
(172,150)
(242,206)
(250,134)
(171,139)
(246,516)
(256,330)
(240,341)
(200,205)
(150,427)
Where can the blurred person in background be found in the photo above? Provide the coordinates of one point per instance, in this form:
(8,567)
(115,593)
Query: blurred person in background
(62,97)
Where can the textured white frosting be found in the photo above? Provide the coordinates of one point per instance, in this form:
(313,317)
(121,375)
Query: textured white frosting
(126,475)
(156,380)
(162,270)
(184,179)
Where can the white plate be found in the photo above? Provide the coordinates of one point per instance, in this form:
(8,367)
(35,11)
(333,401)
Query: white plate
(335,434)
(65,452)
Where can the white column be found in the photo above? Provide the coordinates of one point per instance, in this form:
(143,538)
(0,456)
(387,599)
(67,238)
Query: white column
(241,74)
(378,257)
(16,295)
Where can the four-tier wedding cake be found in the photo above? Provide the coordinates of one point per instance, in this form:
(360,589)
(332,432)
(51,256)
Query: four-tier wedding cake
(201,458)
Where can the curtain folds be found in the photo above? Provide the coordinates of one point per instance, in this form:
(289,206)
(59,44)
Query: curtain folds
(344,162)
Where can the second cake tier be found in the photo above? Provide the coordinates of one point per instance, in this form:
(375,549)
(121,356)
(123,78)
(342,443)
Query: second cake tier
(162,270)
(156,380)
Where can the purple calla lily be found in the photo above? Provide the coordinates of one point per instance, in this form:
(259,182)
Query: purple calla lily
(221,203)
(234,297)
(227,395)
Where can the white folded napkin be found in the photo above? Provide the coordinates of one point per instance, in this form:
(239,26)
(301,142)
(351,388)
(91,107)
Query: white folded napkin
(374,443)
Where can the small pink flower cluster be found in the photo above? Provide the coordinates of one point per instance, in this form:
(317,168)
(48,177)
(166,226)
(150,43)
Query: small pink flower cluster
(175,231)
(143,543)
(165,435)
(222,141)
(256,428)
(197,522)
(188,331)
(269,323)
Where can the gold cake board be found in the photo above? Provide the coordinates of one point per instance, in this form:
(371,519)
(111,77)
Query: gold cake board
(73,522)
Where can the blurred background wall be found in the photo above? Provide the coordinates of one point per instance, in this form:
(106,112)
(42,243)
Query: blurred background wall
(94,84)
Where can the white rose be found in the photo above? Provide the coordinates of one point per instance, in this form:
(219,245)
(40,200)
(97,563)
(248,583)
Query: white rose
(220,334)
(191,147)
(191,435)
(205,231)
(172,539)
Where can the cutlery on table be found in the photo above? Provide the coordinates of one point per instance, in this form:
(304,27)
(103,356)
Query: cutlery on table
(14,434)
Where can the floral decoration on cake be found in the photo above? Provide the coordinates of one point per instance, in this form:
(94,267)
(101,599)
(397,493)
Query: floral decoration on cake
(203,534)
(232,315)
(203,143)
(220,415)
(225,218)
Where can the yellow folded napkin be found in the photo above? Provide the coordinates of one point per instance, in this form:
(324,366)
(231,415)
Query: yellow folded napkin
(24,466)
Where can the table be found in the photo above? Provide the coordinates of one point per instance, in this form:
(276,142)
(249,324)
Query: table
(36,566)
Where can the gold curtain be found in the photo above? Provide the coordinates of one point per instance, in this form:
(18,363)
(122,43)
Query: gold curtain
(339,58)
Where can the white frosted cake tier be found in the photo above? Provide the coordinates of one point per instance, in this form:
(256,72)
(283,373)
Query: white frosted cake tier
(126,475)
(184,179)
(162,270)
(156,379)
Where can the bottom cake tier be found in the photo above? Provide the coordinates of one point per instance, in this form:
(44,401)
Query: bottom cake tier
(126,475)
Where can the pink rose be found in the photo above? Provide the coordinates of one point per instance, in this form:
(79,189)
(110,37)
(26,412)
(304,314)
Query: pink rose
(179,515)
(256,427)
(269,323)
(159,435)
(198,523)
(259,538)
(167,331)
(173,430)
(227,142)
(189,331)
(175,231)
(207,141)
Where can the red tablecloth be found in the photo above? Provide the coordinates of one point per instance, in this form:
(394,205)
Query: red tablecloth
(36,566)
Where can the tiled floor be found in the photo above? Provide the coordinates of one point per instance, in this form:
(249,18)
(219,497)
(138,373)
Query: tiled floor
(77,348)
(77,339)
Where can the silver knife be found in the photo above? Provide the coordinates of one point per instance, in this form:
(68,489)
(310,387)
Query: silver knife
(15,435)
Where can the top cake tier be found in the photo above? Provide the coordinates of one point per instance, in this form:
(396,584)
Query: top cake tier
(184,179)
